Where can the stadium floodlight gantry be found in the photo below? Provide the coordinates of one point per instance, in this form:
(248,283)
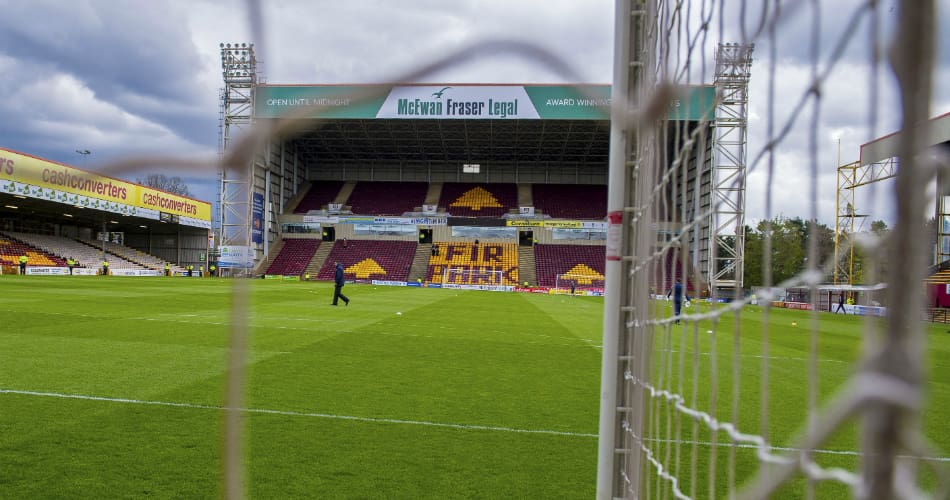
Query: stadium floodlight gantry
(878,162)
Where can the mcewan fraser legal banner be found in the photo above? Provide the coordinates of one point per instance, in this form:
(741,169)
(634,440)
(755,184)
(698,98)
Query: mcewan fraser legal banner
(446,102)
(33,177)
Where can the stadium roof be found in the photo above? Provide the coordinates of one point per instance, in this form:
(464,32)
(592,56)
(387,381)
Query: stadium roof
(48,191)
(885,147)
(440,141)
(455,123)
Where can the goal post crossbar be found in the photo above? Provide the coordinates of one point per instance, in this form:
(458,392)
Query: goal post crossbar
(470,276)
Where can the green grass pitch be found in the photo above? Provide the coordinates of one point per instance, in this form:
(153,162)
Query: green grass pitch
(113,388)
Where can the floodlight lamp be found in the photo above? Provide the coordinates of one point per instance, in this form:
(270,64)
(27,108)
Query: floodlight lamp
(229,45)
(221,45)
(243,45)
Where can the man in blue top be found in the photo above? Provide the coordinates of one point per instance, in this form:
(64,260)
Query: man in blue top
(678,292)
(339,282)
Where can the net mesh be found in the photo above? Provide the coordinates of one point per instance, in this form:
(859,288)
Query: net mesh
(693,404)
(690,407)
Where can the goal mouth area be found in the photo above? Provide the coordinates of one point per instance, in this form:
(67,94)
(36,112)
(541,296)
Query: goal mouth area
(469,276)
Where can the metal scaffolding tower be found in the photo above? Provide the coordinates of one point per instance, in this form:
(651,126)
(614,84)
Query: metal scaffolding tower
(727,243)
(850,177)
(239,69)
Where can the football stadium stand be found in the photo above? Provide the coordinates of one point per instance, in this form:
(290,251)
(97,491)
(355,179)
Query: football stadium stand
(566,201)
(88,253)
(370,260)
(386,198)
(136,258)
(11,250)
(462,199)
(320,194)
(294,257)
(585,261)
(471,264)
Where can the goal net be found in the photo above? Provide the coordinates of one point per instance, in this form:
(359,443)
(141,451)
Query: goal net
(732,400)
(469,276)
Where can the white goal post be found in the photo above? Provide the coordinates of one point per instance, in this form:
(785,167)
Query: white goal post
(470,276)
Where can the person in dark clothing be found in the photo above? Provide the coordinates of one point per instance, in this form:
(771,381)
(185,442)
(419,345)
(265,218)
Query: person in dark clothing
(841,304)
(338,286)
(678,292)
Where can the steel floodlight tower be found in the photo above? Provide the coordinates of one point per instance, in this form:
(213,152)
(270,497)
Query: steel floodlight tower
(239,69)
(727,243)
(851,177)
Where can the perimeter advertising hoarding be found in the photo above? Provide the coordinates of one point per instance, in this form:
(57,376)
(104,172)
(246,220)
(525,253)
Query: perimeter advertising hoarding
(557,224)
(25,175)
(234,256)
(530,102)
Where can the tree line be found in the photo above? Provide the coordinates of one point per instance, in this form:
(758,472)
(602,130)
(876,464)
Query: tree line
(791,238)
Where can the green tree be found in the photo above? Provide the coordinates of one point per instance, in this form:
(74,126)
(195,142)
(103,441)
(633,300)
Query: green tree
(753,257)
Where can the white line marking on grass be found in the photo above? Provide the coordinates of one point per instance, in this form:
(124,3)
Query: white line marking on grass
(849,453)
(759,356)
(302,414)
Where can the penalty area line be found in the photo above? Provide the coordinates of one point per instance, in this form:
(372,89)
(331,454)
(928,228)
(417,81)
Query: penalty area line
(466,427)
(329,416)
(729,444)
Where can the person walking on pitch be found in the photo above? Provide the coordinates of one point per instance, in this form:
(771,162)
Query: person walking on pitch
(338,286)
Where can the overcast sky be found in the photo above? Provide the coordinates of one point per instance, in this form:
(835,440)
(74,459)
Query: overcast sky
(119,77)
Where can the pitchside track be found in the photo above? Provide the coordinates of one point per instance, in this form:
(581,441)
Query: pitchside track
(114,387)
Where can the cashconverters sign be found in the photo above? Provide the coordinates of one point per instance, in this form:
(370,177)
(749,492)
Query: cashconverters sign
(32,177)
(500,102)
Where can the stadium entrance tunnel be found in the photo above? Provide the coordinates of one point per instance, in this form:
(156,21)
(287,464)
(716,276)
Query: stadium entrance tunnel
(526,238)
(425,236)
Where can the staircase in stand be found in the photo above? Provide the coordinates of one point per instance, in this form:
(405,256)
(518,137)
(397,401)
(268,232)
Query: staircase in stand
(319,258)
(420,263)
(527,270)
(272,254)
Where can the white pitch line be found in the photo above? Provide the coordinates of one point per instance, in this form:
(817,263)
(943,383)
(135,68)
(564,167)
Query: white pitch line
(493,428)
(301,414)
(727,354)
(850,453)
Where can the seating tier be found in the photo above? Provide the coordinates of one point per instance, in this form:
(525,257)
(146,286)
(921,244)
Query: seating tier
(463,199)
(370,260)
(567,201)
(386,198)
(584,263)
(293,257)
(471,264)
